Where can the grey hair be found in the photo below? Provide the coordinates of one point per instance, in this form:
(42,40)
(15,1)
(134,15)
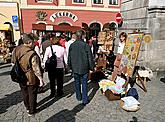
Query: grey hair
(27,38)
(79,33)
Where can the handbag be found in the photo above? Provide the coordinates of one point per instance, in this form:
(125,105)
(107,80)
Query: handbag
(17,74)
(51,63)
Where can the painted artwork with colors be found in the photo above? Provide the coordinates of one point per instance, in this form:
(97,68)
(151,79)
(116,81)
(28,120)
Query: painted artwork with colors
(130,53)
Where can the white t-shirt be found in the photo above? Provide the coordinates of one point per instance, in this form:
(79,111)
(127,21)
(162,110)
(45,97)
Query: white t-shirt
(120,48)
(67,45)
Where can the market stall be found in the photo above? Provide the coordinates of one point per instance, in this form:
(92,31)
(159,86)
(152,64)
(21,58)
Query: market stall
(6,43)
(119,87)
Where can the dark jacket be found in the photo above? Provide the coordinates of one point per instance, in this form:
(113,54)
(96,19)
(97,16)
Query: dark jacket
(80,59)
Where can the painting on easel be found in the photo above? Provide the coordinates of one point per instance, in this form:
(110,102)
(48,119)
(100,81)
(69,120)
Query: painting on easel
(130,53)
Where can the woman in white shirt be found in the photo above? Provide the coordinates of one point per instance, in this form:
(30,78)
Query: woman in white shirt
(56,73)
(122,37)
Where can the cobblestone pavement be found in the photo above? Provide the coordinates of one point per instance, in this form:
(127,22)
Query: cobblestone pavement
(68,109)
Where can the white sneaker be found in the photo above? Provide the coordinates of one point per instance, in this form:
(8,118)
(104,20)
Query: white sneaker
(30,115)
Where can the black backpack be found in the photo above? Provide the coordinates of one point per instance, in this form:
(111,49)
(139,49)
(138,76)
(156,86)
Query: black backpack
(17,74)
(51,63)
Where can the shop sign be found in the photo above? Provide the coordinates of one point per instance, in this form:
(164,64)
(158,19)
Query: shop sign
(15,22)
(49,27)
(63,14)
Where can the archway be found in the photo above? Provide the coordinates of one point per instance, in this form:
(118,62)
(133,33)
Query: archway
(9,34)
(113,26)
(95,29)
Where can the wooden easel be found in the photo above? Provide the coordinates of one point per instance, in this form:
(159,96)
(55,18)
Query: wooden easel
(140,82)
(131,55)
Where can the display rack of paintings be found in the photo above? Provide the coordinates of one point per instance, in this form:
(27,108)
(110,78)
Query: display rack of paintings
(105,38)
(130,53)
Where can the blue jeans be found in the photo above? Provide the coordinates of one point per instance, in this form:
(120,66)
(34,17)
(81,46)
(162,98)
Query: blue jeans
(84,95)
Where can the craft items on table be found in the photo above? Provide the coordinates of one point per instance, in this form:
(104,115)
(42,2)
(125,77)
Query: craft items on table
(116,87)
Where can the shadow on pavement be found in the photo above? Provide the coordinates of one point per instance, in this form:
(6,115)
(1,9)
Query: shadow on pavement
(5,73)
(68,92)
(10,100)
(66,115)
(134,119)
(5,65)
(94,86)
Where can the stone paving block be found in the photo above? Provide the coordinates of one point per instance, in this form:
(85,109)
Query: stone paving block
(98,110)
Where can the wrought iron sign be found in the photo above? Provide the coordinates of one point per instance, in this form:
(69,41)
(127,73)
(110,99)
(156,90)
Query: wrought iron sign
(41,15)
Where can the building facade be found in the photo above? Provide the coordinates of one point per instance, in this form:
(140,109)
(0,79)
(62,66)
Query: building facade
(9,20)
(68,15)
(10,28)
(147,16)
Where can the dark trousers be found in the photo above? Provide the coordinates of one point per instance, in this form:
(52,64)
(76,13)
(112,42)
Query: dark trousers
(29,94)
(58,75)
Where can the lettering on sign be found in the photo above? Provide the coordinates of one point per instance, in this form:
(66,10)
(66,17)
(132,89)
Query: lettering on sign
(63,14)
(49,27)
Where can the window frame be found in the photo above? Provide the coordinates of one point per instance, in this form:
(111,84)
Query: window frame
(44,1)
(114,4)
(97,3)
(73,2)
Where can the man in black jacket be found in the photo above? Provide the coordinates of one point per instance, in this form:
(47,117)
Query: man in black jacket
(80,61)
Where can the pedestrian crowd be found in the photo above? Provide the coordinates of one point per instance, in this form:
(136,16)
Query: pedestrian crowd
(75,55)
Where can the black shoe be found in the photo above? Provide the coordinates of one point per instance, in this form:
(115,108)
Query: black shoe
(162,79)
(51,95)
(84,104)
(60,94)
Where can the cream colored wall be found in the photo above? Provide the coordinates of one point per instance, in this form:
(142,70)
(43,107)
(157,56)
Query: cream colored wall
(6,16)
(62,3)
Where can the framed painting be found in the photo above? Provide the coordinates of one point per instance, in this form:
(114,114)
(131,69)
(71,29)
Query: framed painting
(130,53)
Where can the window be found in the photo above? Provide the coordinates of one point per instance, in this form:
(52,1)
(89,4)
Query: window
(44,0)
(113,2)
(78,1)
(98,1)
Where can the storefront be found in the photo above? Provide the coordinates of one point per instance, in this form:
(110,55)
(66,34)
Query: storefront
(65,20)
(9,29)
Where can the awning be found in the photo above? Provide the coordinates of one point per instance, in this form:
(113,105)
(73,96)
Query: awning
(41,27)
(56,27)
(66,28)
(5,27)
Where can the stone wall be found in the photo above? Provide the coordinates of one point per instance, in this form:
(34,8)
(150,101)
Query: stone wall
(157,29)
(147,16)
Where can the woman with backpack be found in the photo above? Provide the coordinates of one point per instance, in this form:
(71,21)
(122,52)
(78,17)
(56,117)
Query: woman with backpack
(56,72)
